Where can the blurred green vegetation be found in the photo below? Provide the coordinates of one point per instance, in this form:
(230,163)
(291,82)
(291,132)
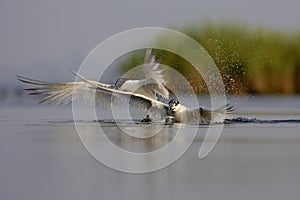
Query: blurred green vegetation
(251,60)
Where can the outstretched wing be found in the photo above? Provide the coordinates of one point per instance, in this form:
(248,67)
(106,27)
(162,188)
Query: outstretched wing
(86,91)
(64,93)
(155,80)
(205,115)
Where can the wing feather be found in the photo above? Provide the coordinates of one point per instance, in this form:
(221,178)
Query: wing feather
(155,80)
(86,91)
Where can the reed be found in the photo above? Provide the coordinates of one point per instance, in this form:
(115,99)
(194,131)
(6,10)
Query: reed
(251,60)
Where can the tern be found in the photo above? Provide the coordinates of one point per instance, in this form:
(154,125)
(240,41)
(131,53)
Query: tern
(91,92)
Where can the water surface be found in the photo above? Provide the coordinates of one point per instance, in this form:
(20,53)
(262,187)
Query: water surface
(42,157)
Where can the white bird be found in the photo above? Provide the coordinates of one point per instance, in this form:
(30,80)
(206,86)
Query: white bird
(91,92)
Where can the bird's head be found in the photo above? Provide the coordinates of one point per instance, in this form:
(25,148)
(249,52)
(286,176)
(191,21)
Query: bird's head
(173,104)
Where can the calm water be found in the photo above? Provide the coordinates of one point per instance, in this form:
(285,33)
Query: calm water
(41,157)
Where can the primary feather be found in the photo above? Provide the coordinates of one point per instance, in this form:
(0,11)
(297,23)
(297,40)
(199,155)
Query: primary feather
(91,92)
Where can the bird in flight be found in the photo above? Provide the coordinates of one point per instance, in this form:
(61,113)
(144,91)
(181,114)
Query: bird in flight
(141,93)
(94,93)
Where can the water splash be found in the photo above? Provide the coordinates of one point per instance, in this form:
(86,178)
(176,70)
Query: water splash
(244,120)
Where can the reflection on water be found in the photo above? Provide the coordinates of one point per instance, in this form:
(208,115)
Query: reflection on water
(115,148)
(163,135)
(139,137)
(42,157)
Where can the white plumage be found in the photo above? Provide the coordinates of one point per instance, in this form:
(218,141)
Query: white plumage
(184,114)
(88,91)
(153,85)
(91,92)
(142,94)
